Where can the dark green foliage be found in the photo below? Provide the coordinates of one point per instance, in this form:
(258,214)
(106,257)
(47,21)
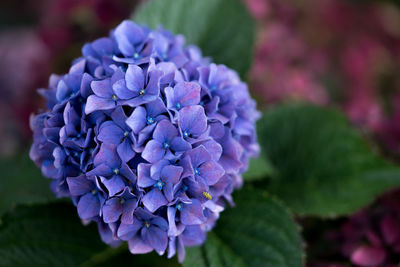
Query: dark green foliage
(325,166)
(223,29)
(259,231)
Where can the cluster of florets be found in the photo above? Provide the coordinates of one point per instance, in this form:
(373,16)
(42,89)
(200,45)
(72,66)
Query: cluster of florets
(147,137)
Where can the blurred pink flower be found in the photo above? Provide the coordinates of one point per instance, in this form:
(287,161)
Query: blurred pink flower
(65,22)
(258,8)
(30,54)
(275,76)
(327,52)
(364,110)
(369,238)
(24,66)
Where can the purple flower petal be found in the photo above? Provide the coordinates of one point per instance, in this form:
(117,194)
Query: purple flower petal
(89,206)
(127,172)
(168,190)
(165,131)
(172,229)
(193,120)
(193,236)
(211,172)
(121,91)
(128,209)
(144,179)
(102,88)
(128,34)
(107,155)
(160,223)
(198,156)
(106,234)
(138,246)
(128,231)
(155,108)
(125,151)
(134,78)
(137,120)
(153,86)
(97,103)
(114,185)
(182,95)
(153,151)
(171,174)
(192,214)
(112,210)
(154,199)
(110,133)
(178,144)
(79,185)
(101,170)
(213,148)
(156,238)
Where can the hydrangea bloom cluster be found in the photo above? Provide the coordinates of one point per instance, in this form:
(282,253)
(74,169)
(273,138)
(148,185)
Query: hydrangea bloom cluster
(147,137)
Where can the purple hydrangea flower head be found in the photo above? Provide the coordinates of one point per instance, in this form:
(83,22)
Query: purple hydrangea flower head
(147,137)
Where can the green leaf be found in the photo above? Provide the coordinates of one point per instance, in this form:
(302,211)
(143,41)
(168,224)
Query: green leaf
(325,166)
(22,182)
(259,169)
(46,235)
(257,232)
(223,29)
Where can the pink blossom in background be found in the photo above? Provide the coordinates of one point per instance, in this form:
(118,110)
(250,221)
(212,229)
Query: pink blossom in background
(276,75)
(18,82)
(49,44)
(66,22)
(364,109)
(327,52)
(372,236)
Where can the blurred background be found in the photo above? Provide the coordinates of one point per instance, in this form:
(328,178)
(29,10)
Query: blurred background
(37,38)
(342,53)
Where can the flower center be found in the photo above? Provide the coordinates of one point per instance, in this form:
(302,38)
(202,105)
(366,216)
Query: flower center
(142,92)
(114,97)
(159,184)
(116,171)
(179,206)
(213,88)
(122,201)
(164,56)
(178,106)
(185,134)
(94,192)
(147,224)
(150,120)
(207,195)
(166,145)
(196,171)
(126,134)
(136,55)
